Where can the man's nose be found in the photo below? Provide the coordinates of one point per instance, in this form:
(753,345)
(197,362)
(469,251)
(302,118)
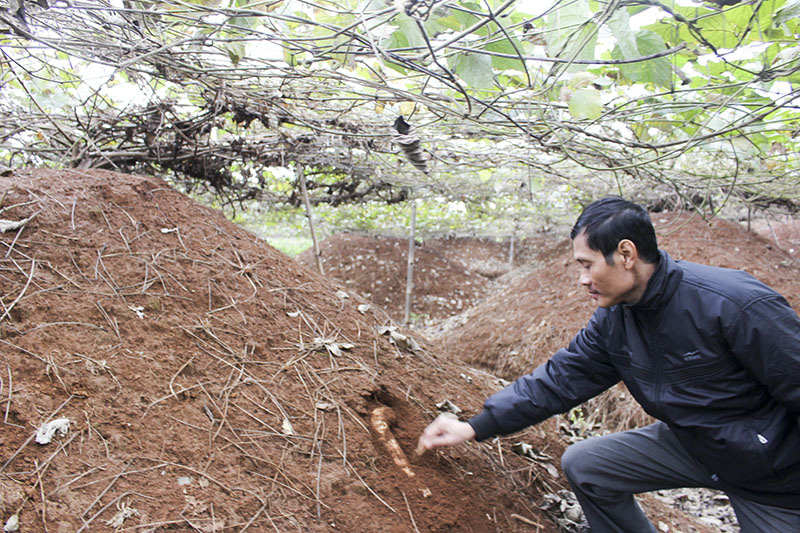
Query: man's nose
(585,279)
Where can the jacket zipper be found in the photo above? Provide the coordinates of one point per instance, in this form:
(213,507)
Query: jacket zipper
(656,361)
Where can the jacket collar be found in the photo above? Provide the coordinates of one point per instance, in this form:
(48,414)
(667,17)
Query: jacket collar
(661,285)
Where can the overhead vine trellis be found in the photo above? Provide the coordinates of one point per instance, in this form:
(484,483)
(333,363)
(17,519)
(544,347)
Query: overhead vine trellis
(700,99)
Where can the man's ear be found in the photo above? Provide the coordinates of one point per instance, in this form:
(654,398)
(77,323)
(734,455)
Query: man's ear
(628,253)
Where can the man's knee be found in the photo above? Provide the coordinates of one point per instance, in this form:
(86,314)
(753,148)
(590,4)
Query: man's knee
(575,461)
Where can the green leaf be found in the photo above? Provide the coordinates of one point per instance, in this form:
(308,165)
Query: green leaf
(635,10)
(235,51)
(657,71)
(396,67)
(467,19)
(620,26)
(789,11)
(570,32)
(690,114)
(740,25)
(451,22)
(506,47)
(396,40)
(474,69)
(715,69)
(586,104)
(673,30)
(433,28)
(406,35)
(762,141)
(244,22)
(509,80)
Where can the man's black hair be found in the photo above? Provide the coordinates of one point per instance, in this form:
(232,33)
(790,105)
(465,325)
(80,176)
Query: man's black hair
(610,220)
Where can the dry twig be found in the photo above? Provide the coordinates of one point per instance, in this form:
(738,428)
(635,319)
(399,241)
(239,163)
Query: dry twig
(410,514)
(10,388)
(525,520)
(111,322)
(22,292)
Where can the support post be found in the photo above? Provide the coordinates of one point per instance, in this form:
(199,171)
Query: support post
(410,271)
(301,174)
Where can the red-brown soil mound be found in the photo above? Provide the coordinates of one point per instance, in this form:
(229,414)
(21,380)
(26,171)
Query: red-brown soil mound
(210,383)
(450,274)
(782,230)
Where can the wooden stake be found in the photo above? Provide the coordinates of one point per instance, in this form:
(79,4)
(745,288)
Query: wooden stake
(301,174)
(512,243)
(410,273)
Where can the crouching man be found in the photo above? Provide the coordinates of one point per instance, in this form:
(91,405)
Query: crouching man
(713,354)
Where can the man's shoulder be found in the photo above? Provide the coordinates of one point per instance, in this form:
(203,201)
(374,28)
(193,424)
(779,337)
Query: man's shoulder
(729,284)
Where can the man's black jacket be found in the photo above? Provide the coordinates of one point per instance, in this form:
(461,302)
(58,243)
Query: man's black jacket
(712,352)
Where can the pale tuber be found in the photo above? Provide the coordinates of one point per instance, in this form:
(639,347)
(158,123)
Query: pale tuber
(381,420)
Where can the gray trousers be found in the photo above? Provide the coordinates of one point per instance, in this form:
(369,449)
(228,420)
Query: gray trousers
(605,472)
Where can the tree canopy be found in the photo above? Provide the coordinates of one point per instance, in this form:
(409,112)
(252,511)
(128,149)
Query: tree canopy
(501,99)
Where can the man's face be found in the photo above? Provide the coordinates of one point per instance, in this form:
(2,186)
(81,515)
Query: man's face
(607,284)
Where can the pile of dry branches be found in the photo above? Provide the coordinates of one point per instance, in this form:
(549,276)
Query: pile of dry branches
(229,91)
